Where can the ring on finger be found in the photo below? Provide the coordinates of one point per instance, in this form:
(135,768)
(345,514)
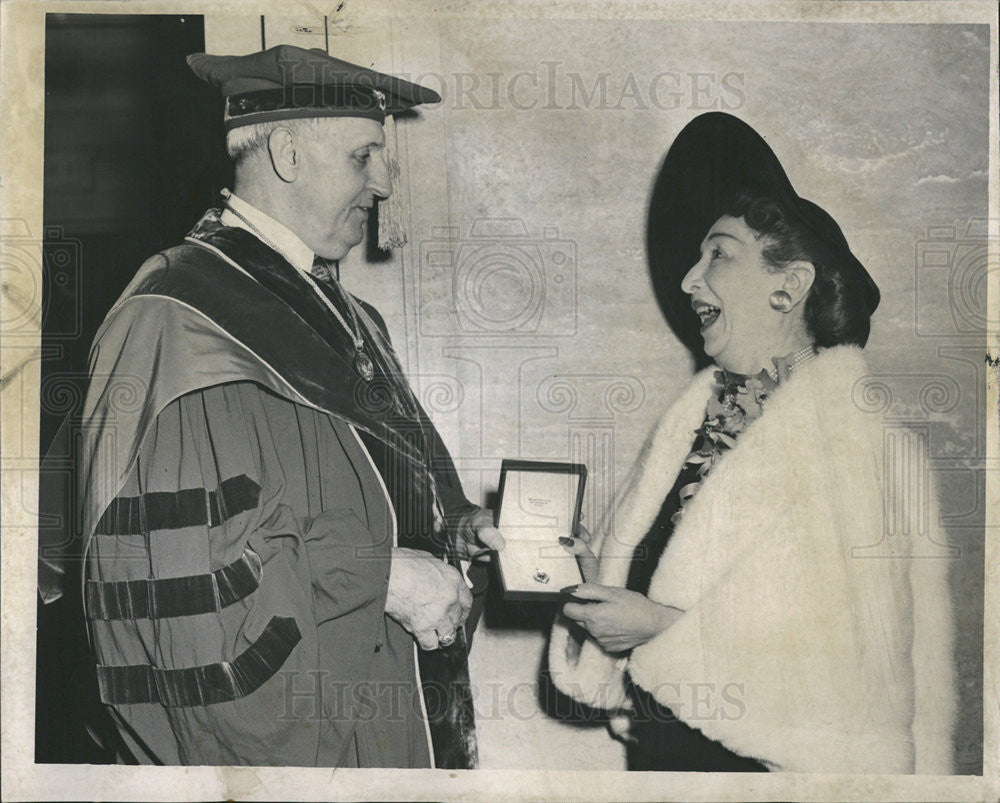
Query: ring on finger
(447,641)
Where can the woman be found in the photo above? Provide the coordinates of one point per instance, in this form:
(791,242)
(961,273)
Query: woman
(755,606)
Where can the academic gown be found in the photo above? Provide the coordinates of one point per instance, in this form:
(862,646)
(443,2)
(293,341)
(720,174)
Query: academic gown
(238,531)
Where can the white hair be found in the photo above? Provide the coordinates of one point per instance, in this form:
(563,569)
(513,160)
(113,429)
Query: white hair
(249,140)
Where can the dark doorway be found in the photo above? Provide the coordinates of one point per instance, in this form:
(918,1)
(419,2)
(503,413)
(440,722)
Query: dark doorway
(134,155)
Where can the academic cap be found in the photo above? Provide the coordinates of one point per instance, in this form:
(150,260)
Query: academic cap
(287,82)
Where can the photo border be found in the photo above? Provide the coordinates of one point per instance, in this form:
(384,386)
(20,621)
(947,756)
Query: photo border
(22,23)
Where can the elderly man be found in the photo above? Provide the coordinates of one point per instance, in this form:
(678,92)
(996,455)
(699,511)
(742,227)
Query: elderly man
(273,526)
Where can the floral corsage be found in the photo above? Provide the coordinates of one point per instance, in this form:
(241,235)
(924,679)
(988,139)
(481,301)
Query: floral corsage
(740,400)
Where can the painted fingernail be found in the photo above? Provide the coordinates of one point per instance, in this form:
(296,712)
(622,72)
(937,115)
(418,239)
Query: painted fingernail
(565,541)
(569,589)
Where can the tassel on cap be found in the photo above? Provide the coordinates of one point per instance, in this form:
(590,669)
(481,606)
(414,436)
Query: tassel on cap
(391,210)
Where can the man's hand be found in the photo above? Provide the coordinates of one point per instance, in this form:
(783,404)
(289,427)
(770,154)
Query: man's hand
(618,619)
(427,597)
(480,536)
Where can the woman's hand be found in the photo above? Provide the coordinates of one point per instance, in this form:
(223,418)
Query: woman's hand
(618,619)
(580,547)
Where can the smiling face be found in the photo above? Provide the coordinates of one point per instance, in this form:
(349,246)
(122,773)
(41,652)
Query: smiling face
(730,287)
(342,169)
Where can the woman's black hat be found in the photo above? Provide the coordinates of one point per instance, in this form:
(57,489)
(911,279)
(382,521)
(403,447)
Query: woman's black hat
(715,158)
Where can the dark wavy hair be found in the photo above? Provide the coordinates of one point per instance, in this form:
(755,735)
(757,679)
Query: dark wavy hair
(836,312)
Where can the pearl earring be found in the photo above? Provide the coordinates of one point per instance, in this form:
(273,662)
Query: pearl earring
(780,301)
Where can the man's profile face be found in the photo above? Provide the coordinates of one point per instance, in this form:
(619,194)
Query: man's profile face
(343,167)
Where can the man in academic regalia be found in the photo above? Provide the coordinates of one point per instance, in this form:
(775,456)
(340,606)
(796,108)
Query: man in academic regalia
(273,529)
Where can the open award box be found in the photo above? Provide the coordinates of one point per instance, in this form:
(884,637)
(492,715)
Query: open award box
(538,503)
